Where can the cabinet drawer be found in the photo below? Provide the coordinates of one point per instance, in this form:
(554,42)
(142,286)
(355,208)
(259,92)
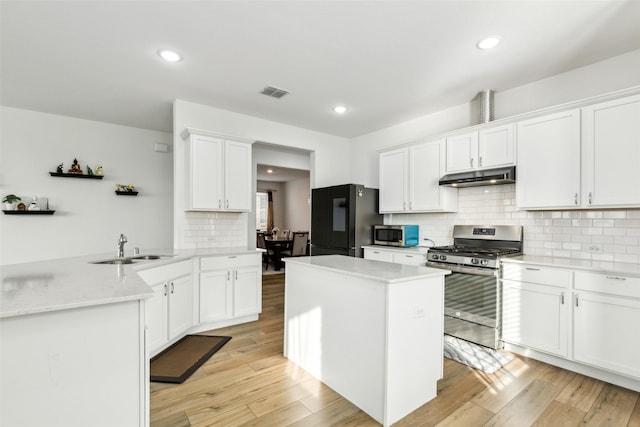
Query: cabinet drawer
(229,261)
(536,274)
(409,259)
(613,284)
(157,275)
(378,255)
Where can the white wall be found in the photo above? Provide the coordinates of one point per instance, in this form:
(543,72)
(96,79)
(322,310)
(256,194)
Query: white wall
(329,165)
(89,216)
(298,207)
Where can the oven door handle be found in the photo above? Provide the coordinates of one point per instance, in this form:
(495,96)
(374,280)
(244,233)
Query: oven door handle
(463,270)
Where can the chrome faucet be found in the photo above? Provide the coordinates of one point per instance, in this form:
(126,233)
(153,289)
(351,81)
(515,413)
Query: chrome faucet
(121,242)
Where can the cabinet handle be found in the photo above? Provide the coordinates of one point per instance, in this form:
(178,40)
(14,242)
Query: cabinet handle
(172,287)
(562,298)
(410,206)
(404,206)
(227,204)
(376,252)
(228,275)
(480,161)
(236,274)
(532,269)
(575,199)
(589,197)
(616,278)
(219,204)
(232,256)
(165,289)
(577,304)
(471,162)
(409,256)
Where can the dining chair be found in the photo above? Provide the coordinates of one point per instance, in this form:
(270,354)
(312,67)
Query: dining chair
(299,246)
(284,234)
(266,255)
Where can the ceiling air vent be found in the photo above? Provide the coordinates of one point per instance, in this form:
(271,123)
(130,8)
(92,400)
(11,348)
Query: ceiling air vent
(274,92)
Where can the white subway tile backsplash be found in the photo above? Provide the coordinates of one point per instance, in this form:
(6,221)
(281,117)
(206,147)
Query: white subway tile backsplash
(546,233)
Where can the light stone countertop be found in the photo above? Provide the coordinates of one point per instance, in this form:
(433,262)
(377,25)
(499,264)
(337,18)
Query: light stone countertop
(369,269)
(577,264)
(65,283)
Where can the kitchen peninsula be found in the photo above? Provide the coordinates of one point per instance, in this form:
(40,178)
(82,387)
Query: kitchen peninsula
(371,330)
(77,335)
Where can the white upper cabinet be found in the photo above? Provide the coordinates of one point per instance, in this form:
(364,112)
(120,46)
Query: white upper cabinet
(409,180)
(394,180)
(611,144)
(219,173)
(581,158)
(548,174)
(484,149)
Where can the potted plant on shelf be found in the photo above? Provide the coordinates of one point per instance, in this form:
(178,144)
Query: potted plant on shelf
(10,201)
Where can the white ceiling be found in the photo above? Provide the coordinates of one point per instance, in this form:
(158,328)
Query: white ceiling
(388,61)
(279,174)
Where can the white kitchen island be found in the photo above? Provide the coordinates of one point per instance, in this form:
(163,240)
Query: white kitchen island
(370,330)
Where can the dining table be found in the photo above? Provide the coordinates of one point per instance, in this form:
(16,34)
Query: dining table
(276,246)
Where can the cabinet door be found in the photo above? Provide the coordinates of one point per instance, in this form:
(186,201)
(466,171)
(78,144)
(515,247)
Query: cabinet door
(606,331)
(157,316)
(180,305)
(496,147)
(215,295)
(535,316)
(206,173)
(237,182)
(548,156)
(378,255)
(394,180)
(425,194)
(462,152)
(611,142)
(247,291)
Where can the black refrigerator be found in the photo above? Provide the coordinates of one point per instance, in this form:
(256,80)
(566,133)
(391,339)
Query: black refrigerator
(341,219)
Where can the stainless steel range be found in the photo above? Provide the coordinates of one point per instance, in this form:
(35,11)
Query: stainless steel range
(472,296)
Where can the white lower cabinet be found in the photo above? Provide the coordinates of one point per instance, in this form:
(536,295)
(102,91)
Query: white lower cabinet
(378,255)
(535,316)
(170,310)
(587,318)
(230,286)
(606,326)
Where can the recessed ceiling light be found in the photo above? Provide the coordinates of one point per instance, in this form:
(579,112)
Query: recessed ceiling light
(489,42)
(269,170)
(169,55)
(340,109)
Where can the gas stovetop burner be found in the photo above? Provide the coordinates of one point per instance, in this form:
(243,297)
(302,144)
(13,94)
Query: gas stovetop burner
(478,246)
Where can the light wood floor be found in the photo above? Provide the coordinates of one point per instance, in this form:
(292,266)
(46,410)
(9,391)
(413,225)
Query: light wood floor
(249,383)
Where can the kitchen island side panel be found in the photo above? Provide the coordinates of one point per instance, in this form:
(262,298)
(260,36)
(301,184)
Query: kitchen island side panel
(376,342)
(415,334)
(335,330)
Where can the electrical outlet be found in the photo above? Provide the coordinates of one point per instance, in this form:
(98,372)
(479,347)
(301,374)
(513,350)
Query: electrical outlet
(594,248)
(418,312)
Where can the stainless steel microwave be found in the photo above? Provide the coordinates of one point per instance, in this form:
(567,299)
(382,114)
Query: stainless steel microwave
(396,235)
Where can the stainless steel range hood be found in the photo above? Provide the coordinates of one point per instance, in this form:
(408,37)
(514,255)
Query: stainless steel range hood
(482,177)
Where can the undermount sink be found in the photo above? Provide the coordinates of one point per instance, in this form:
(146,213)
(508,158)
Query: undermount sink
(114,261)
(130,260)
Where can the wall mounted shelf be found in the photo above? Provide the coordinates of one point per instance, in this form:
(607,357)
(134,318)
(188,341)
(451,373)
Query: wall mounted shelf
(127,193)
(75,175)
(16,212)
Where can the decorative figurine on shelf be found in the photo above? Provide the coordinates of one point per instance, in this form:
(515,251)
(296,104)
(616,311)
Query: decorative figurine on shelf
(89,170)
(75,167)
(125,188)
(10,201)
(59,168)
(34,206)
(99,170)
(22,207)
